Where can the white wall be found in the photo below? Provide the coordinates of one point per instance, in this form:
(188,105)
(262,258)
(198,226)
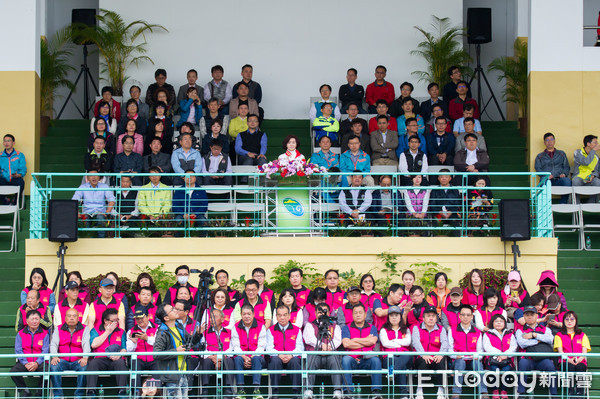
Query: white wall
(294,46)
(20,45)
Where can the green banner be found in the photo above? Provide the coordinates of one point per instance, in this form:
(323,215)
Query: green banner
(293,210)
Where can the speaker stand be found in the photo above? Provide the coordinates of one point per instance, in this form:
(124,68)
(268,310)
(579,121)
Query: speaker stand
(85,72)
(516,253)
(62,271)
(479,73)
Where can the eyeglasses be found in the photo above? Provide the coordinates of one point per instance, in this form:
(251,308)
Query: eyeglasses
(461,86)
(465,314)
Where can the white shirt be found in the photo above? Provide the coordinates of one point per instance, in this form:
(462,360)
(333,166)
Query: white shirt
(403,165)
(396,342)
(471,157)
(132,345)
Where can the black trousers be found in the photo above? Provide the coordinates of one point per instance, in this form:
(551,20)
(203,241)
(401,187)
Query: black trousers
(420,364)
(20,380)
(105,364)
(141,365)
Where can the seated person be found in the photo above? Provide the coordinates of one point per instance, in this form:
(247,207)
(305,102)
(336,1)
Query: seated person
(155,203)
(456,105)
(445,203)
(159,159)
(396,109)
(129,161)
(32,302)
(99,158)
(434,99)
(346,124)
(353,160)
(216,162)
(219,89)
(571,339)
(242,97)
(143,108)
(132,108)
(380,89)
(354,201)
(215,134)
(408,113)
(222,277)
(141,339)
(107,96)
(290,145)
(416,203)
(449,92)
(326,125)
(357,337)
(131,130)
(412,160)
(325,157)
(382,109)
(13,166)
(585,161)
(161,96)
(480,201)
(412,128)
(97,204)
(255,90)
(192,78)
(32,339)
(344,313)
(160,112)
(262,307)
(188,128)
(160,76)
(468,112)
(351,93)
(126,201)
(438,111)
(554,162)
(217,338)
(190,108)
(251,145)
(212,113)
(384,143)
(471,158)
(145,303)
(469,125)
(104,112)
(157,130)
(190,205)
(71,337)
(108,337)
(316,108)
(100,130)
(358,129)
(440,144)
(239,123)
(71,301)
(450,317)
(385,203)
(184,158)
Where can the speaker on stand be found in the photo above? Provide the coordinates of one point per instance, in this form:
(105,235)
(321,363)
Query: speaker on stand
(62,228)
(515,223)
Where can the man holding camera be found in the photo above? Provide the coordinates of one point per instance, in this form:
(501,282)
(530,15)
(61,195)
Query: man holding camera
(141,339)
(323,332)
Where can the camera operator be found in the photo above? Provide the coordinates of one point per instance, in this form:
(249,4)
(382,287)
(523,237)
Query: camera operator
(141,339)
(172,336)
(325,332)
(217,339)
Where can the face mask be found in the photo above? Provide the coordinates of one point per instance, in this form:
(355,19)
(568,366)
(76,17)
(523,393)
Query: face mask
(182,280)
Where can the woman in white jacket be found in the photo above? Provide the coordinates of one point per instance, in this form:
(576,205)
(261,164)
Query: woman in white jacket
(395,337)
(498,340)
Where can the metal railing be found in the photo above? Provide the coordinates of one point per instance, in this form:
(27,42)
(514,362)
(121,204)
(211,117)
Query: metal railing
(297,206)
(224,380)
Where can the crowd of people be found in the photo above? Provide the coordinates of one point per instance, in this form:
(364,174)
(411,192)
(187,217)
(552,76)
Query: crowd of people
(446,322)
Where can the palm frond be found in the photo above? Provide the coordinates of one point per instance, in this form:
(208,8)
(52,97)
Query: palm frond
(514,71)
(55,55)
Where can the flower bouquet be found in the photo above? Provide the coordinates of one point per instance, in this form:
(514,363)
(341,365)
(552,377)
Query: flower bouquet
(297,170)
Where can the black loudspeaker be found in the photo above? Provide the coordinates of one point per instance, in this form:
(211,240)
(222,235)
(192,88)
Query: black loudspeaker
(62,220)
(479,25)
(81,17)
(515,221)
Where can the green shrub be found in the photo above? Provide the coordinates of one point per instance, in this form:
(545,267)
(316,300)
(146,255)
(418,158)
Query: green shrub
(493,278)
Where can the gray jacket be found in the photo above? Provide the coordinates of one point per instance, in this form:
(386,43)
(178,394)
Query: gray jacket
(165,343)
(580,159)
(557,165)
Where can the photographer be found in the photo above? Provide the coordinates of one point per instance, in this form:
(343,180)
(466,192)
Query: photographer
(217,339)
(171,336)
(323,330)
(141,339)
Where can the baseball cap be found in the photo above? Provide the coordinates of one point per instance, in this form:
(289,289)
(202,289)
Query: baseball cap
(530,309)
(71,284)
(394,309)
(106,282)
(552,302)
(430,309)
(455,291)
(514,275)
(140,313)
(353,288)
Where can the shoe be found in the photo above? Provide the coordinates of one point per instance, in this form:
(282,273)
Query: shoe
(495,394)
(256,394)
(485,396)
(455,396)
(419,395)
(441,395)
(240,394)
(308,394)
(504,394)
(337,394)
(376,395)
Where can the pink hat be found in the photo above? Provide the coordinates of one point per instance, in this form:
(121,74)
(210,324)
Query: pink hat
(514,276)
(548,278)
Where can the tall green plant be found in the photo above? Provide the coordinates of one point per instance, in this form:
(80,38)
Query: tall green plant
(120,44)
(279,278)
(441,48)
(55,55)
(514,71)
(163,279)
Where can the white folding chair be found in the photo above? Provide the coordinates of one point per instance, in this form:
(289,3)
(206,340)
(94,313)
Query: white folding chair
(437,168)
(576,224)
(588,191)
(249,169)
(384,169)
(564,190)
(10,229)
(335,150)
(220,206)
(14,190)
(593,209)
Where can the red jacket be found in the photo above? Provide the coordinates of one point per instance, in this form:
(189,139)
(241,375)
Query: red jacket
(392,124)
(383,92)
(115,109)
(455,108)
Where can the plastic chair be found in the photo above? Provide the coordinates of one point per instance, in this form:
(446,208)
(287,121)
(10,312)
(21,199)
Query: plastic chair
(10,229)
(576,224)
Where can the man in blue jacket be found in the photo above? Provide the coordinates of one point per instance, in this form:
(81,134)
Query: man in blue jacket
(190,205)
(554,162)
(440,144)
(355,159)
(12,166)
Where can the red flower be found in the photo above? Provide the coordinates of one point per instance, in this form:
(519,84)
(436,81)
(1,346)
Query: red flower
(300,173)
(388,216)
(193,216)
(494,216)
(439,217)
(283,173)
(83,216)
(247,221)
(144,216)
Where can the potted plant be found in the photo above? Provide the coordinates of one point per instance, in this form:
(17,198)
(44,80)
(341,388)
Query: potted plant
(55,55)
(441,48)
(120,45)
(514,70)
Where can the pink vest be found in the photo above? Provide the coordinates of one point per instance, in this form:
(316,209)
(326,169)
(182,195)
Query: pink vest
(173,293)
(476,301)
(32,343)
(212,343)
(364,332)
(259,309)
(513,304)
(115,338)
(334,300)
(572,345)
(369,300)
(64,306)
(391,334)
(302,297)
(486,315)
(416,199)
(465,342)
(267,295)
(41,308)
(412,319)
(347,309)
(453,318)
(45,294)
(248,341)
(431,341)
(285,340)
(144,346)
(312,312)
(502,345)
(70,343)
(151,312)
(154,297)
(100,307)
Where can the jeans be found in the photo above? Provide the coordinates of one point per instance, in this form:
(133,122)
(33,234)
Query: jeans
(97,220)
(401,363)
(13,182)
(258,363)
(275,363)
(327,362)
(177,391)
(539,364)
(461,365)
(564,182)
(57,379)
(372,363)
(499,384)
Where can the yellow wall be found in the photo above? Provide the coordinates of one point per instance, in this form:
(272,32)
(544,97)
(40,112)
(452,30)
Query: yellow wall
(19,115)
(240,255)
(566,104)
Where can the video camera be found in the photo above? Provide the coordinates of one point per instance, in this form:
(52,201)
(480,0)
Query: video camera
(205,278)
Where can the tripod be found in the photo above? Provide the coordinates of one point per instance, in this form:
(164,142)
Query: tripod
(62,272)
(516,253)
(479,73)
(85,72)
(324,335)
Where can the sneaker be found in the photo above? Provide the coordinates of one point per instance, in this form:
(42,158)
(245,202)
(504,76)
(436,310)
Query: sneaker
(308,394)
(240,394)
(376,395)
(441,395)
(495,394)
(337,394)
(504,394)
(485,396)
(419,395)
(256,394)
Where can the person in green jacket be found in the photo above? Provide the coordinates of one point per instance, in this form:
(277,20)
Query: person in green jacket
(155,203)
(326,125)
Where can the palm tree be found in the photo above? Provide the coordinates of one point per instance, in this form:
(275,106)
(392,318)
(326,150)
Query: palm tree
(120,45)
(514,70)
(55,55)
(441,48)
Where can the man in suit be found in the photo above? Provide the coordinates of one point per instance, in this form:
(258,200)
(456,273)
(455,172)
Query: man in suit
(192,77)
(384,143)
